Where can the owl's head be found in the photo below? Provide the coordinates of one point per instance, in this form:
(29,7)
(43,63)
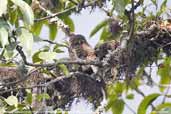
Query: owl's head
(77,39)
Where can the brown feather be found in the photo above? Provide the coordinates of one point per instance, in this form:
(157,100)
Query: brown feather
(80,49)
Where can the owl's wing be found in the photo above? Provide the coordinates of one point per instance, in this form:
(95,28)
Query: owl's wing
(90,52)
(72,54)
(90,55)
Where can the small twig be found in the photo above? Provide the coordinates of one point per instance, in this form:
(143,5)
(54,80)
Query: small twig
(108,13)
(79,62)
(163,85)
(65,28)
(139,92)
(131,21)
(132,8)
(165,94)
(132,110)
(51,42)
(56,79)
(160,85)
(167,91)
(143,95)
(166,45)
(136,5)
(65,11)
(30,108)
(56,14)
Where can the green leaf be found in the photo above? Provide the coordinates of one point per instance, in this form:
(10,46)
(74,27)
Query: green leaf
(4,24)
(13,16)
(37,39)
(140,71)
(29,98)
(52,31)
(35,57)
(45,48)
(37,27)
(3,36)
(130,96)
(28,1)
(2,110)
(12,100)
(8,54)
(9,50)
(3,7)
(114,91)
(142,108)
(68,21)
(116,106)
(119,87)
(120,5)
(66,112)
(21,107)
(42,96)
(163,8)
(154,2)
(105,34)
(64,69)
(162,106)
(111,92)
(165,72)
(57,49)
(166,110)
(134,83)
(7,64)
(58,111)
(26,39)
(47,56)
(99,27)
(26,11)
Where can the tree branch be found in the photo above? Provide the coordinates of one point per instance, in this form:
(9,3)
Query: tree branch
(56,14)
(51,42)
(79,62)
(131,109)
(65,11)
(131,21)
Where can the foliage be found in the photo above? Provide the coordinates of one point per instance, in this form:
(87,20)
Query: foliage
(146,102)
(22,21)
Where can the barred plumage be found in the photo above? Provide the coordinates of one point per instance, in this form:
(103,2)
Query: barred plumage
(80,49)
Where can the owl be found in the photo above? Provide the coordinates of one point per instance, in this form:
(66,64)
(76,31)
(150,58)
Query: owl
(79,49)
